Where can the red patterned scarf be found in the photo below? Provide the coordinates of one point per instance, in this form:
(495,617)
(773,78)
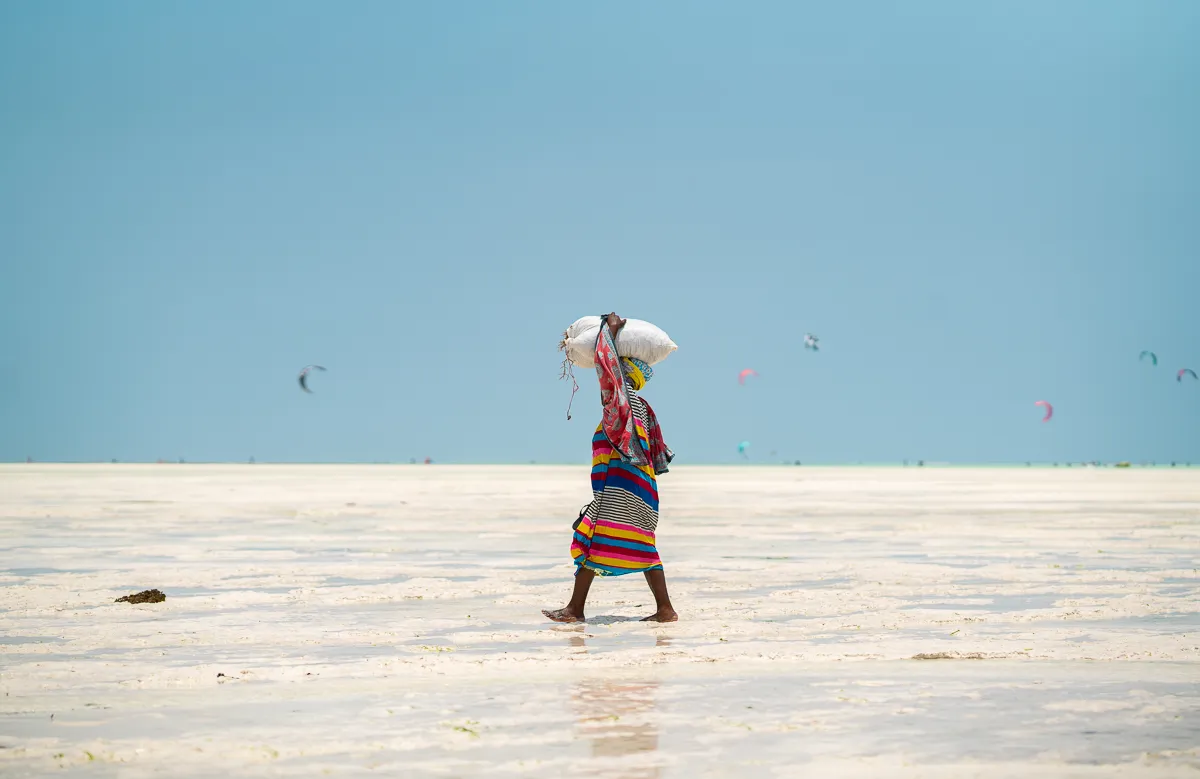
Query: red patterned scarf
(618,420)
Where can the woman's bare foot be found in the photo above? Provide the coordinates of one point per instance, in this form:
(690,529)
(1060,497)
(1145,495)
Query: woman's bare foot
(662,615)
(564,615)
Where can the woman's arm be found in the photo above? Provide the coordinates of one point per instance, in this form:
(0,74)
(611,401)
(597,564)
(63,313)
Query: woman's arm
(615,323)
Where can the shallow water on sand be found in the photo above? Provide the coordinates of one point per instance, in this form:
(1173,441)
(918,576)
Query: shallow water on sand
(356,618)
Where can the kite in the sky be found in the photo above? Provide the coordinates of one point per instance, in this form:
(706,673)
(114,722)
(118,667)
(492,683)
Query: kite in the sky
(745,373)
(304,376)
(1184,371)
(811,342)
(742,447)
(1049,410)
(1153,357)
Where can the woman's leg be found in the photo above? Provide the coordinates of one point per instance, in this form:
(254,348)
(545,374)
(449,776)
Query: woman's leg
(574,610)
(664,612)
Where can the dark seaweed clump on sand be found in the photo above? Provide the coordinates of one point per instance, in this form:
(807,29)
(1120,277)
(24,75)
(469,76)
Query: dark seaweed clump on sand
(145,596)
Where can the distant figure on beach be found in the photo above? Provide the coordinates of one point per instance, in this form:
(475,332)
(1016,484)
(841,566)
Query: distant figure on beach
(614,534)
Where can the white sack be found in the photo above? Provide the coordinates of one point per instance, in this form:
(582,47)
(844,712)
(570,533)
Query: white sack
(637,338)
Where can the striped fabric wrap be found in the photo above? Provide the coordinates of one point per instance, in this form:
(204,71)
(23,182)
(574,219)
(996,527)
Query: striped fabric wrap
(615,533)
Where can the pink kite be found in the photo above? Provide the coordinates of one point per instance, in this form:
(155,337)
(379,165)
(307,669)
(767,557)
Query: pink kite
(1049,410)
(747,372)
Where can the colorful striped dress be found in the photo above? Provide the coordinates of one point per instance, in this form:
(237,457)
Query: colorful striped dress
(615,532)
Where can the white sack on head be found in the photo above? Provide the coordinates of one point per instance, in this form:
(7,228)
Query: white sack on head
(637,338)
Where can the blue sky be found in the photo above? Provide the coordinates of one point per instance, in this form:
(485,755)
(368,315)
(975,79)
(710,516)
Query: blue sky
(974,205)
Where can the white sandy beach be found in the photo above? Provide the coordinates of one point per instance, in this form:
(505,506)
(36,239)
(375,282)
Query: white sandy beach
(345,620)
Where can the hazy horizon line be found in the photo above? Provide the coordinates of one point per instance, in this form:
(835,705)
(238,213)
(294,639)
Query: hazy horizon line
(789,464)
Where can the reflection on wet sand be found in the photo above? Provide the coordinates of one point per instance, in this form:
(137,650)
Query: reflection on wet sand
(618,718)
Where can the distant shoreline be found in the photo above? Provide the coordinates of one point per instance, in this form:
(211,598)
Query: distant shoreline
(923,466)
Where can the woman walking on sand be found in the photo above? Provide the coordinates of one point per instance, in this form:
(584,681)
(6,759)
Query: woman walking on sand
(614,534)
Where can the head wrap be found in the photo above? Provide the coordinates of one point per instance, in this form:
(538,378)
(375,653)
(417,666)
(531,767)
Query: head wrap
(636,371)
